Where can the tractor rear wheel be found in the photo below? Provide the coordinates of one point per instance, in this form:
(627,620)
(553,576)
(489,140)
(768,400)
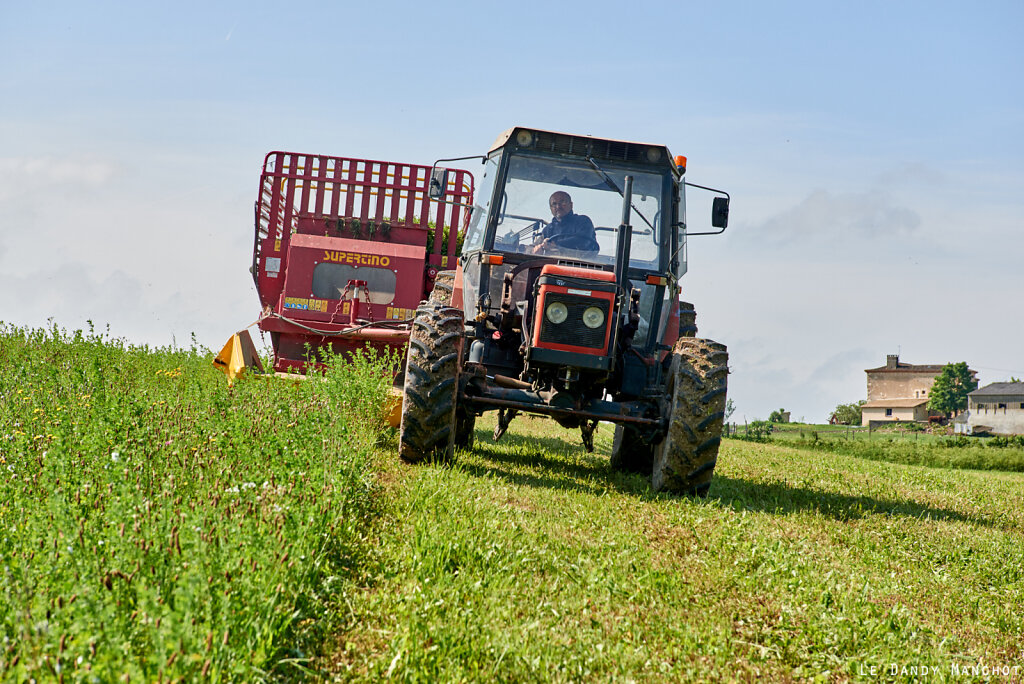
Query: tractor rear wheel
(684,462)
(687,320)
(427,429)
(444,285)
(630,453)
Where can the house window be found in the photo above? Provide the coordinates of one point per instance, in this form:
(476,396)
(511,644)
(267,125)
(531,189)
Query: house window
(1002,406)
(1022,404)
(888,412)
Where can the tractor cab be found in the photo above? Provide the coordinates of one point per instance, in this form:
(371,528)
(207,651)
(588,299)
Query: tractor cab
(567,297)
(561,262)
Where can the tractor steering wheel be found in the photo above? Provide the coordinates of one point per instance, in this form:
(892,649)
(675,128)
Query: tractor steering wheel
(554,243)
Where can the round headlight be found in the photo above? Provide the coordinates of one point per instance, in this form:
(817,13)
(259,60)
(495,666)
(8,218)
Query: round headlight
(593,317)
(524,138)
(557,312)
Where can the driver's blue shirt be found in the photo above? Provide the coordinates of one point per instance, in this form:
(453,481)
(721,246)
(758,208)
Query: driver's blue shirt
(573,231)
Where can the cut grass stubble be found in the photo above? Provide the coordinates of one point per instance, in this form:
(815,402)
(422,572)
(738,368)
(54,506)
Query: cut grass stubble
(530,559)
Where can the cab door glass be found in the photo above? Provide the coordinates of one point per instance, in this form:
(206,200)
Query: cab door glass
(481,203)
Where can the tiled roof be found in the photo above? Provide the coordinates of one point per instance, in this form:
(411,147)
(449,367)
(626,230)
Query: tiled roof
(999,388)
(894,403)
(906,368)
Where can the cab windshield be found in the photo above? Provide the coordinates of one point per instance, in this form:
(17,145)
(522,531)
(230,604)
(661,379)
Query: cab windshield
(571,209)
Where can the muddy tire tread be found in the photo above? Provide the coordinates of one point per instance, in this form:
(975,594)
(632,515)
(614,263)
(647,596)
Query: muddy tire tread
(444,286)
(685,460)
(687,320)
(431,383)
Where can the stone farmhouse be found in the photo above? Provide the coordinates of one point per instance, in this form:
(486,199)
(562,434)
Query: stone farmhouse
(996,409)
(899,391)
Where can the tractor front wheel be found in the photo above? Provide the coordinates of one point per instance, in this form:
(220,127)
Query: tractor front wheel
(629,451)
(684,462)
(465,428)
(427,429)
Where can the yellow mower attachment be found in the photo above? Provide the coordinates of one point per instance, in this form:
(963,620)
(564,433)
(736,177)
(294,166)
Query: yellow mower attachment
(393,407)
(238,354)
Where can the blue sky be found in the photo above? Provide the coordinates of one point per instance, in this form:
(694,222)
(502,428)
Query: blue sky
(873,151)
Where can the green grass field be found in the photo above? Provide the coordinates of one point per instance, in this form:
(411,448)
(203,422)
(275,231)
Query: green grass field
(155,523)
(898,445)
(531,560)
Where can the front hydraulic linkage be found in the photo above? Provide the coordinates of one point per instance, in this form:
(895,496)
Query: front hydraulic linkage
(504,419)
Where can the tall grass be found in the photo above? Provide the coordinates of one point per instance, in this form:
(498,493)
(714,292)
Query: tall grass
(156,524)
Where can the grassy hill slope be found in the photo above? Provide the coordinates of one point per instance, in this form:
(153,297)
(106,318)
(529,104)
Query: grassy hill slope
(156,523)
(530,559)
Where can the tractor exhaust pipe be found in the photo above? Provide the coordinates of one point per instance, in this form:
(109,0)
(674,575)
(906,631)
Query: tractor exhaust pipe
(622,250)
(625,237)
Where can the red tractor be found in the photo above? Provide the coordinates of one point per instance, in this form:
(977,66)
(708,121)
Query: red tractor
(346,249)
(571,315)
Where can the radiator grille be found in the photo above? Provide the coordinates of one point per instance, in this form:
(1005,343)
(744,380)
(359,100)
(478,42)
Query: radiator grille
(572,331)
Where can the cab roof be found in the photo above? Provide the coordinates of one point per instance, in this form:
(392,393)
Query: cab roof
(608,148)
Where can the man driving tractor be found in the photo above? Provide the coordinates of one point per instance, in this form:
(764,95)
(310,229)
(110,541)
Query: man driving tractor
(566,229)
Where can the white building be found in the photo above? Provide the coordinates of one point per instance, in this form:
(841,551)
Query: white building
(900,391)
(996,409)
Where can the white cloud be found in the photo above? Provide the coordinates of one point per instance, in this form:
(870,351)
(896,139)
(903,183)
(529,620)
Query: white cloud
(796,378)
(154,251)
(804,318)
(911,174)
(21,175)
(71,294)
(68,292)
(824,216)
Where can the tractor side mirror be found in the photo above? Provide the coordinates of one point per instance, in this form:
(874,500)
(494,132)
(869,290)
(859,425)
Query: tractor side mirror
(720,212)
(438,183)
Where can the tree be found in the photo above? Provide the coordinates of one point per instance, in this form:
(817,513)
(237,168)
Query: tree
(848,414)
(759,431)
(730,408)
(777,416)
(949,392)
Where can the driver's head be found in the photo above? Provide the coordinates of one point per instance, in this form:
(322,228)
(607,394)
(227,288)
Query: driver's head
(560,203)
